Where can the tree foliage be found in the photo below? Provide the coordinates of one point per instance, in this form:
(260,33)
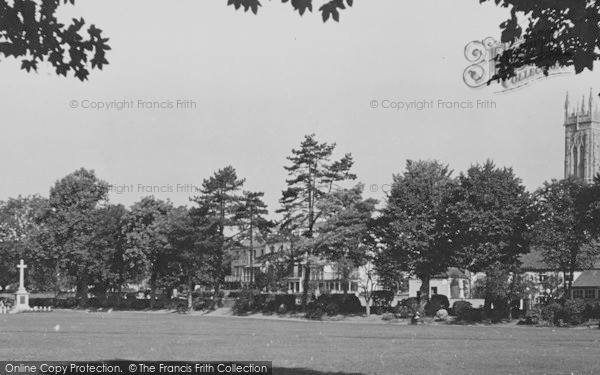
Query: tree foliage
(565,229)
(565,32)
(30,30)
(489,215)
(220,201)
(328,8)
(72,223)
(19,222)
(409,225)
(312,177)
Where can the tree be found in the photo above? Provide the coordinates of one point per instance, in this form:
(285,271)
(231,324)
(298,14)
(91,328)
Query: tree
(562,231)
(74,202)
(409,229)
(109,247)
(147,231)
(368,284)
(489,217)
(19,220)
(564,32)
(29,29)
(313,176)
(343,237)
(249,216)
(220,199)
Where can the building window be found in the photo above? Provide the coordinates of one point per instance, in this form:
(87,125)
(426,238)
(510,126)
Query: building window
(577,293)
(299,270)
(542,277)
(590,293)
(434,290)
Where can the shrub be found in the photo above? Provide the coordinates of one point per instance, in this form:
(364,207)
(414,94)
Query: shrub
(470,315)
(66,303)
(401,312)
(411,304)
(41,302)
(315,311)
(382,301)
(437,302)
(441,315)
(574,310)
(332,309)
(533,315)
(388,317)
(246,302)
(273,302)
(458,306)
(140,304)
(592,311)
(346,303)
(552,312)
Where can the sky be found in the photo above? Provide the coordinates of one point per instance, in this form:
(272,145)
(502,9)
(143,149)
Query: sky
(262,82)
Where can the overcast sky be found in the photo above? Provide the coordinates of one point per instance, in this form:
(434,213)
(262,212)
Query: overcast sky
(260,83)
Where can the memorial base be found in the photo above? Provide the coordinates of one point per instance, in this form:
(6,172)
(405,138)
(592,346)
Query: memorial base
(21,301)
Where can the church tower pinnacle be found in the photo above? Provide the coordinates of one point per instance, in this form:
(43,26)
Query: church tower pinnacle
(582,140)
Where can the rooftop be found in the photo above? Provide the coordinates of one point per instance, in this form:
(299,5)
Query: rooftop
(589,278)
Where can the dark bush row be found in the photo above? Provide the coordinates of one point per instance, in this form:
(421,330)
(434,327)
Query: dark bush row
(161,302)
(575,311)
(253,301)
(333,304)
(410,306)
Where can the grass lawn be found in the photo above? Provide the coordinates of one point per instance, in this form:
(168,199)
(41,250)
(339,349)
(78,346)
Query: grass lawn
(301,347)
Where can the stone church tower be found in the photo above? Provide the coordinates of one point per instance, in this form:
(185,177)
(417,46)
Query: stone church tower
(582,139)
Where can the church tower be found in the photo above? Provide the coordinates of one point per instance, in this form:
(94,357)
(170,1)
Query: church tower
(582,139)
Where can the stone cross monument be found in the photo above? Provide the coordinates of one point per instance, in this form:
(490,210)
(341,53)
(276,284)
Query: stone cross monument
(21,296)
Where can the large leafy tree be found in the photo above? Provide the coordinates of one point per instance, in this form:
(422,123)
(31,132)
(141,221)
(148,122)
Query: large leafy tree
(109,247)
(220,198)
(489,215)
(192,239)
(562,231)
(74,202)
(409,229)
(19,221)
(312,176)
(147,229)
(344,236)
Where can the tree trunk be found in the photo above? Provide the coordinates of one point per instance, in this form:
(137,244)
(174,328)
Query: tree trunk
(424,298)
(152,288)
(345,281)
(190,290)
(368,305)
(305,285)
(119,295)
(82,289)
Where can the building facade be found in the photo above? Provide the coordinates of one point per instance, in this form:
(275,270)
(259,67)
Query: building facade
(325,277)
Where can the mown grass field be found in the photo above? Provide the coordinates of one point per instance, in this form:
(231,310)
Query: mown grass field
(301,347)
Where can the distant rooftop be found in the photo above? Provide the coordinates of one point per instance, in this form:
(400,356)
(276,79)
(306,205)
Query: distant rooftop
(534,261)
(587,279)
